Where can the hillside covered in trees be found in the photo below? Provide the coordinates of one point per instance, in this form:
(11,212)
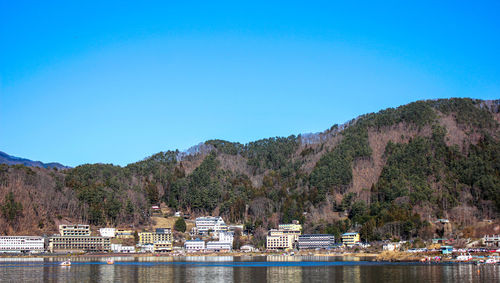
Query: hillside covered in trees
(385,174)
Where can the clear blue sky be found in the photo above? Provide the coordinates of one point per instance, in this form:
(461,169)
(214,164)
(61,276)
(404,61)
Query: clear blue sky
(113,82)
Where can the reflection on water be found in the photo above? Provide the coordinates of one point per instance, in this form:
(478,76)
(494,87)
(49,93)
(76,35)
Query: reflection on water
(284,258)
(238,269)
(284,274)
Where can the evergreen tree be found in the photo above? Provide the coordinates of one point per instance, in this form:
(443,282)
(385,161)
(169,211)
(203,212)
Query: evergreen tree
(180,225)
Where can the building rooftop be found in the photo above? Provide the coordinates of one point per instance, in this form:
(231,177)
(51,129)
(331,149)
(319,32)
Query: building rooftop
(315,235)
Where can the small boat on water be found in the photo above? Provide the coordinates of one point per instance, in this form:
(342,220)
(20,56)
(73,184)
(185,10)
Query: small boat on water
(492,260)
(110,261)
(65,263)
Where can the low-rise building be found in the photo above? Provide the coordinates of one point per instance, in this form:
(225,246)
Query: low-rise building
(124,234)
(247,248)
(31,244)
(217,246)
(350,239)
(194,245)
(163,231)
(442,241)
(79,244)
(74,230)
(446,250)
(294,226)
(162,246)
(207,224)
(107,232)
(316,241)
(149,248)
(492,241)
(391,247)
(119,248)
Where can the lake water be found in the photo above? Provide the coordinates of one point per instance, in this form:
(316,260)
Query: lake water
(239,269)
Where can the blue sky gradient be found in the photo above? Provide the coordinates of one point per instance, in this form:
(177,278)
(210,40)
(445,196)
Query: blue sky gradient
(114,82)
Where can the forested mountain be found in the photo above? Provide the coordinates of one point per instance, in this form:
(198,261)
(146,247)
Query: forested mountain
(386,174)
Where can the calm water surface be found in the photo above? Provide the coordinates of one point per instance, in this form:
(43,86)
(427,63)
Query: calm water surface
(239,269)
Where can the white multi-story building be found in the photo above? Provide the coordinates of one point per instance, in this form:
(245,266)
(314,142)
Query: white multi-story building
(194,245)
(316,241)
(107,232)
(210,224)
(22,244)
(225,242)
(226,237)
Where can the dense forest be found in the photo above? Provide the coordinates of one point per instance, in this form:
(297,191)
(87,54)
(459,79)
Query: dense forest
(385,174)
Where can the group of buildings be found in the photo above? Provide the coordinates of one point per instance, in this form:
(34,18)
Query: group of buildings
(71,238)
(210,234)
(78,238)
(289,236)
(206,226)
(218,236)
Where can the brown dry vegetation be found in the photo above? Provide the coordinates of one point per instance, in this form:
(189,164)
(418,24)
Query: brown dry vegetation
(47,201)
(44,204)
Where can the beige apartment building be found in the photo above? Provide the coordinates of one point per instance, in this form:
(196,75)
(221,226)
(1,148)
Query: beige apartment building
(279,240)
(74,230)
(124,234)
(160,235)
(162,246)
(79,244)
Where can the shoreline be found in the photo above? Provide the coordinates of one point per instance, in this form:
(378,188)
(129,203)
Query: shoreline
(97,255)
(385,256)
(200,254)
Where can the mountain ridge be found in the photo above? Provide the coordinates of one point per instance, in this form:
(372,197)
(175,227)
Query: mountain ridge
(12,160)
(385,174)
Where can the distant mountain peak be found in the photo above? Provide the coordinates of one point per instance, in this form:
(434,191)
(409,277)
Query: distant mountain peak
(12,160)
